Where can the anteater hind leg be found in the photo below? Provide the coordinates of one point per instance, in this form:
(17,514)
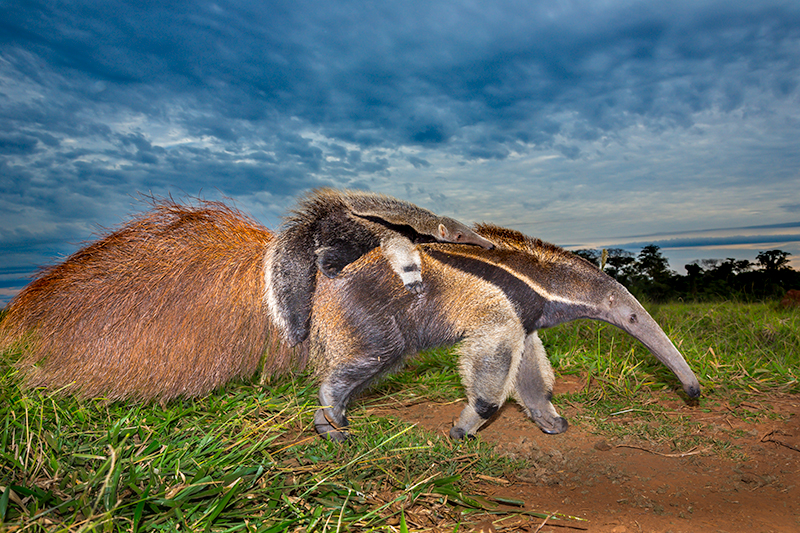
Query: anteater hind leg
(533,387)
(487,378)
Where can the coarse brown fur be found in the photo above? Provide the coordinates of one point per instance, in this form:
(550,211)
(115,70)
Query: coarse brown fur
(170,304)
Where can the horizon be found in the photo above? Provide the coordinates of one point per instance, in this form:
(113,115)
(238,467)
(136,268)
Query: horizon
(585,124)
(632,243)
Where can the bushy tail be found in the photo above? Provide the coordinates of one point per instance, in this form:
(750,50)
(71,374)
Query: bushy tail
(170,304)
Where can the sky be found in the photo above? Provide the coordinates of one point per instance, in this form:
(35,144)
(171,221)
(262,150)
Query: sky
(585,123)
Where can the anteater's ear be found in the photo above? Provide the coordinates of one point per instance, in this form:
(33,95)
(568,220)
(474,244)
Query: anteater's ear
(443,233)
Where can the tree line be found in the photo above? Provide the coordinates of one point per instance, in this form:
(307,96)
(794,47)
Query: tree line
(647,275)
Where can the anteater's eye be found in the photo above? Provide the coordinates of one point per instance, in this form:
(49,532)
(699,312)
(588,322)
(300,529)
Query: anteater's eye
(633,319)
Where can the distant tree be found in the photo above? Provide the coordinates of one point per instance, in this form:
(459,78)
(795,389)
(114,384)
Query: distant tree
(742,266)
(591,255)
(650,275)
(717,279)
(619,264)
(773,260)
(652,263)
(694,272)
(775,276)
(724,270)
(734,279)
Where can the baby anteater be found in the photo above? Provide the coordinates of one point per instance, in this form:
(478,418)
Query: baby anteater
(330,229)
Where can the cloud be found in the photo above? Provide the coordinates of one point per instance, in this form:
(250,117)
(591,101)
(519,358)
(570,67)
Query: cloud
(417,80)
(17,144)
(601,116)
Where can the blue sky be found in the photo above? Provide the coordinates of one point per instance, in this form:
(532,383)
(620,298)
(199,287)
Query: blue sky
(585,123)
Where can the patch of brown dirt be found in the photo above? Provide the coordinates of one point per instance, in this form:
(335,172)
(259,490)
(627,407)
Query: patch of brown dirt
(627,487)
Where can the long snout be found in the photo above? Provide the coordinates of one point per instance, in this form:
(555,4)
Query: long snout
(636,321)
(665,351)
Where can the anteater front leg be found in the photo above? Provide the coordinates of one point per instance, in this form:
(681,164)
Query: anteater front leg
(339,387)
(488,364)
(354,358)
(330,420)
(533,387)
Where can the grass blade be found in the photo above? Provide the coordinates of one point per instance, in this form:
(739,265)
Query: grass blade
(221,505)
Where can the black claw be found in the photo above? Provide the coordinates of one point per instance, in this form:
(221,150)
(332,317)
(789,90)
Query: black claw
(559,425)
(334,435)
(328,428)
(457,433)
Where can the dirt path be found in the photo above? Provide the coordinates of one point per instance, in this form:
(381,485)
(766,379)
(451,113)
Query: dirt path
(618,488)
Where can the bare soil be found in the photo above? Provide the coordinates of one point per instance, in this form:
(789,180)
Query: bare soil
(626,486)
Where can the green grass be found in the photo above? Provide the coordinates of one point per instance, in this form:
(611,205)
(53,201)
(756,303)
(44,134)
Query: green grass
(246,458)
(735,350)
(730,346)
(243,459)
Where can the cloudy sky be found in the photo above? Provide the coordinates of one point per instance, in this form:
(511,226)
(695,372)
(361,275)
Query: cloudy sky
(586,123)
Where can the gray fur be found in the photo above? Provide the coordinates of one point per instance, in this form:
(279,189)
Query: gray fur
(330,229)
(489,305)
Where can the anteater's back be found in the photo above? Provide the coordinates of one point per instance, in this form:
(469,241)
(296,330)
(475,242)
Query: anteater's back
(171,304)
